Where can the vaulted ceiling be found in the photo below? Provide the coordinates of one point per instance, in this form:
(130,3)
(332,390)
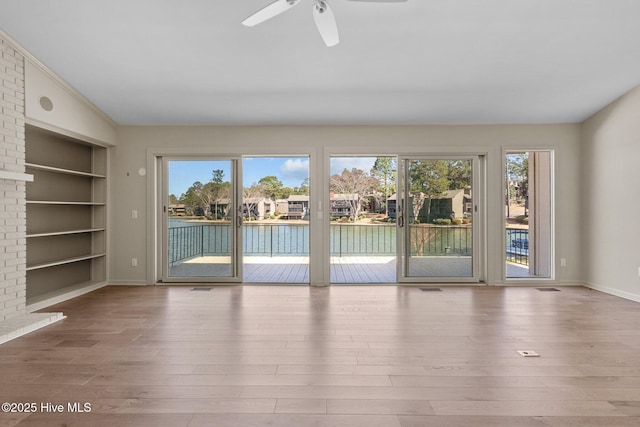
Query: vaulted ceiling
(423,61)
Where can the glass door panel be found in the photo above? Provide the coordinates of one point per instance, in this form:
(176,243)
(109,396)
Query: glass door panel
(276,216)
(362,231)
(439,214)
(202,222)
(529,214)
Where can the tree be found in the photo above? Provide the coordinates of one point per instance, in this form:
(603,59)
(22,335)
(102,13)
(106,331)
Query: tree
(517,171)
(459,174)
(173,200)
(218,189)
(357,183)
(191,198)
(384,170)
(200,197)
(428,179)
(250,198)
(273,187)
(302,190)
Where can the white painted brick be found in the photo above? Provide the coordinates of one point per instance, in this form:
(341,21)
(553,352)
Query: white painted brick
(8,297)
(17,75)
(7,256)
(9,312)
(8,64)
(17,98)
(14,288)
(12,112)
(12,57)
(11,85)
(12,195)
(14,275)
(15,262)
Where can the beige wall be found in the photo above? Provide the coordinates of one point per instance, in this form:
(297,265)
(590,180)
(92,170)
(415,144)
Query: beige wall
(611,198)
(71,115)
(129,236)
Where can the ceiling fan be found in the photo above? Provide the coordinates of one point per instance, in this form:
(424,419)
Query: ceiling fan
(322,14)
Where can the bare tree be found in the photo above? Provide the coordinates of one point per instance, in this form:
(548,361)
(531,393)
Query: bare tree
(355,183)
(250,198)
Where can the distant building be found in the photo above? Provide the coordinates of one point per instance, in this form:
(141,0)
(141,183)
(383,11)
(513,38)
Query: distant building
(258,207)
(298,207)
(392,207)
(454,204)
(177,209)
(221,208)
(282,207)
(342,205)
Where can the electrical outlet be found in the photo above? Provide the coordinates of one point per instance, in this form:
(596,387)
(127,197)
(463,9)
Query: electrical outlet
(638,271)
(134,262)
(134,214)
(563,262)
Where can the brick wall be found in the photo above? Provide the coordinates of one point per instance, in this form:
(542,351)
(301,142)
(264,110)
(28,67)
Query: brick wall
(12,193)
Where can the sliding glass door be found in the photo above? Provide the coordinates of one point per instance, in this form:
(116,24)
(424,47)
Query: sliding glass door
(201,220)
(438,219)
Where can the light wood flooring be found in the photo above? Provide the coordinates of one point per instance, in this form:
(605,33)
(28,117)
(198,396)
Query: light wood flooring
(369,356)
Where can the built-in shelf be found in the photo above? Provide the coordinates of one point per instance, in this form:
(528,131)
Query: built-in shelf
(66,216)
(65,171)
(56,202)
(65,233)
(16,176)
(63,261)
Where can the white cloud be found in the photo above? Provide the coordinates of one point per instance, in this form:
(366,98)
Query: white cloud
(295,169)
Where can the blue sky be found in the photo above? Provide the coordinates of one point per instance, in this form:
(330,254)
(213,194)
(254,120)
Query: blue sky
(291,171)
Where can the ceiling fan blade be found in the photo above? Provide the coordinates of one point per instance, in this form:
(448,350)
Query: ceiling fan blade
(326,23)
(381,1)
(268,12)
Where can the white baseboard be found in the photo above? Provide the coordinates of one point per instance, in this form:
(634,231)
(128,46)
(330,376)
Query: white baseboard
(62,295)
(613,291)
(128,283)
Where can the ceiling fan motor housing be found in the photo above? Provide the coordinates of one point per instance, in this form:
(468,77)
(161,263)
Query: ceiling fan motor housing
(321,6)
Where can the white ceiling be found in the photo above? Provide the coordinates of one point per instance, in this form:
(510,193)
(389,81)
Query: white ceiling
(424,61)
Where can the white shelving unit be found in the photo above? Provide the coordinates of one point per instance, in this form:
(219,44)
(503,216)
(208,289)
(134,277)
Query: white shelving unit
(66,216)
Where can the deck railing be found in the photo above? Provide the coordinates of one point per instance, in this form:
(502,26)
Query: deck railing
(373,240)
(293,240)
(275,239)
(428,240)
(517,240)
(198,240)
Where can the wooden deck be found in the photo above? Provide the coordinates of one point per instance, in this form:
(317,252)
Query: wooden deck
(356,356)
(348,269)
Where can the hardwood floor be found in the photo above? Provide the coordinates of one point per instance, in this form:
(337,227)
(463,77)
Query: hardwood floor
(337,356)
